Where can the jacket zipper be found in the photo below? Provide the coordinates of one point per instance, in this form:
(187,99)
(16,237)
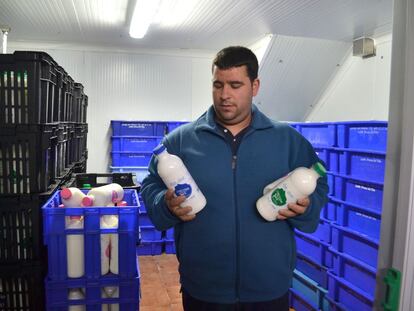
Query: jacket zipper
(237,221)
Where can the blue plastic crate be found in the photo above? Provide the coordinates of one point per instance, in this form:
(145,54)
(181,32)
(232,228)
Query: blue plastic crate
(149,233)
(355,244)
(55,234)
(127,296)
(150,248)
(360,219)
(172,125)
(144,219)
(308,288)
(323,232)
(138,128)
(312,248)
(311,269)
(169,234)
(323,154)
(140,172)
(319,134)
(331,183)
(332,305)
(135,143)
(365,135)
(142,208)
(348,295)
(329,211)
(364,165)
(360,193)
(355,272)
(126,158)
(170,246)
(298,303)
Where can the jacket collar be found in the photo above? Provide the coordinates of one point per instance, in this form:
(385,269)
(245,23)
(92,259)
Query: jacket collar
(206,121)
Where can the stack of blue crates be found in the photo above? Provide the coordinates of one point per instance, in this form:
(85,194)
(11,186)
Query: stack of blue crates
(133,143)
(132,146)
(337,265)
(92,283)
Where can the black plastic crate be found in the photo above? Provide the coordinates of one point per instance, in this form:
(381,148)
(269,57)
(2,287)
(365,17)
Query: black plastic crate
(80,166)
(78,141)
(22,287)
(80,104)
(97,180)
(21,226)
(28,83)
(25,158)
(68,89)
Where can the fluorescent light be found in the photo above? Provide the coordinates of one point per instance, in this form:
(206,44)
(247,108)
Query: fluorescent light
(142,17)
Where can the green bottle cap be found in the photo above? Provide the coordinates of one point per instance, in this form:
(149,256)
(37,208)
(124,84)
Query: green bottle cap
(320,169)
(87,186)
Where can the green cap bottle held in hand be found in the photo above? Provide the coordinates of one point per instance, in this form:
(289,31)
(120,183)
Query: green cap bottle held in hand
(298,184)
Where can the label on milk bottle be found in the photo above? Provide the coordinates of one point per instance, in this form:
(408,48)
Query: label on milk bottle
(183,189)
(278,197)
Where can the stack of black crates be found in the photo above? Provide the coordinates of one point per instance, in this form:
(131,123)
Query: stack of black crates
(43,135)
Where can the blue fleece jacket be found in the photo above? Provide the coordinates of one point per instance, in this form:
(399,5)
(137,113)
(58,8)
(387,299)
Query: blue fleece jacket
(229,253)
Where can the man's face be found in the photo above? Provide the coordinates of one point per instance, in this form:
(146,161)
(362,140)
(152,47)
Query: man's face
(232,95)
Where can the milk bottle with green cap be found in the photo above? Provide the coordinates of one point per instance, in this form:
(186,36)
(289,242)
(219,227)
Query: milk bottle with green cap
(298,184)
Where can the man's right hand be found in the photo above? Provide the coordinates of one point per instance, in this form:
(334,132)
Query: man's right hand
(173,204)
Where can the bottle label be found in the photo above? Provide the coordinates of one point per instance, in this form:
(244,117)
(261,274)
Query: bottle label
(183,189)
(279,197)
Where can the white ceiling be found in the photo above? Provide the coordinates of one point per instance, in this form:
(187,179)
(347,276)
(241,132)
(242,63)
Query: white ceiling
(193,24)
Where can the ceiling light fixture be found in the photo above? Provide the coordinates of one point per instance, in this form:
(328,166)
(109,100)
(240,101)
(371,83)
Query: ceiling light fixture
(142,17)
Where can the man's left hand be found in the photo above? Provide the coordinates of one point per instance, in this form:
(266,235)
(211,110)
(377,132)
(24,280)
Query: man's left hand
(294,209)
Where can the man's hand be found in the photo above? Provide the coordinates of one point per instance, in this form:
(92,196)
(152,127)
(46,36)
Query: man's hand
(173,204)
(294,209)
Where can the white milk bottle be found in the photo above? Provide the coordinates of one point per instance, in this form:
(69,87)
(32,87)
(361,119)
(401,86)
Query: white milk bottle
(72,197)
(176,176)
(109,246)
(75,294)
(298,184)
(105,253)
(111,292)
(104,196)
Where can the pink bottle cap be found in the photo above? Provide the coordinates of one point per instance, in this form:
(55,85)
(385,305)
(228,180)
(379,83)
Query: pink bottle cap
(61,205)
(122,203)
(114,196)
(87,201)
(65,193)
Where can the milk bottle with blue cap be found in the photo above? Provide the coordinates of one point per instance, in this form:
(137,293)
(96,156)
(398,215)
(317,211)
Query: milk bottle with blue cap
(175,176)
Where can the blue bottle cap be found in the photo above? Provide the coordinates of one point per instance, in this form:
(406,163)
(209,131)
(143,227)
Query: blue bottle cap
(160,148)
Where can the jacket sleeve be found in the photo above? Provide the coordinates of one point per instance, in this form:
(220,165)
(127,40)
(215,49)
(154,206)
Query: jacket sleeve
(153,192)
(309,221)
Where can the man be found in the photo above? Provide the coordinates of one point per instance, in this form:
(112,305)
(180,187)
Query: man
(230,258)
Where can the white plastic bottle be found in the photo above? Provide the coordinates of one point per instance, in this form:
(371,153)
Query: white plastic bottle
(72,197)
(298,184)
(104,196)
(176,176)
(76,294)
(111,292)
(105,253)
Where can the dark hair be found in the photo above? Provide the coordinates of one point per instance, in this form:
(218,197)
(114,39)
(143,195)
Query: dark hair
(236,56)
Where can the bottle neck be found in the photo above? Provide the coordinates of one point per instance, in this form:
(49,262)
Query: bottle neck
(315,174)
